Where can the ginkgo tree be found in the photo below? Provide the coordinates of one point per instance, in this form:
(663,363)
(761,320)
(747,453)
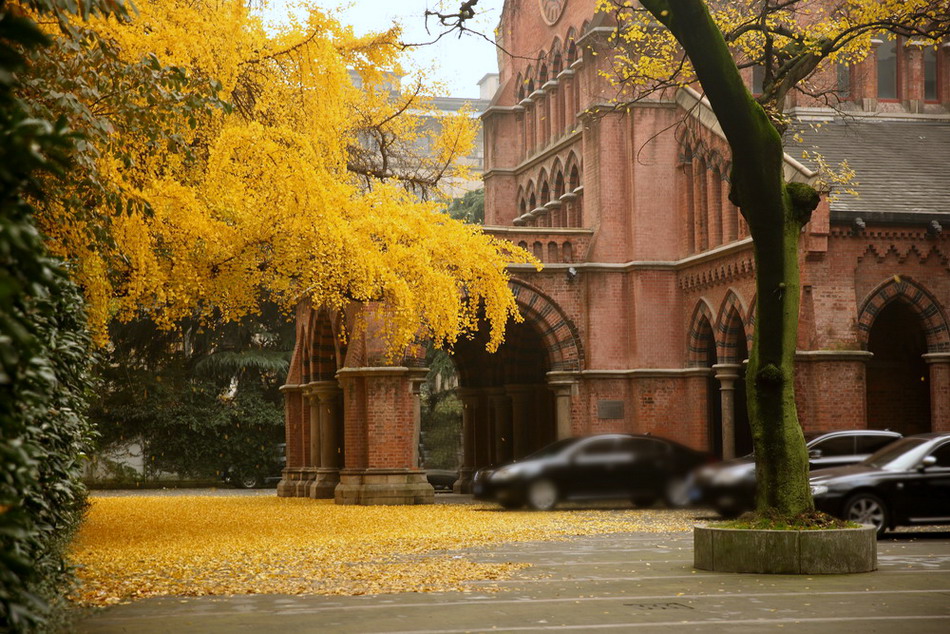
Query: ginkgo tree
(229,164)
(661,44)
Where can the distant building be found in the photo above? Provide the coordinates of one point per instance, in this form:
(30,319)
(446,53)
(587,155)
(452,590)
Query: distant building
(448,106)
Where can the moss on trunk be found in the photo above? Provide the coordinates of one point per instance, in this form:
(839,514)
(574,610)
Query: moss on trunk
(775,213)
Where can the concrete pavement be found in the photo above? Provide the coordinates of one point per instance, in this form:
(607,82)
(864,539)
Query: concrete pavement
(629,582)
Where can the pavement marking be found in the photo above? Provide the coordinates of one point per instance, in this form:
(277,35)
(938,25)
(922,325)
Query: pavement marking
(681,623)
(639,599)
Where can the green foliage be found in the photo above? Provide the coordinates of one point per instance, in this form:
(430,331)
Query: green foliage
(201,400)
(44,352)
(774,521)
(469,208)
(82,81)
(441,423)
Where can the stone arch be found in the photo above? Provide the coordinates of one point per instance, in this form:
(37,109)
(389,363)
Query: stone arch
(731,328)
(543,187)
(558,182)
(575,178)
(322,354)
(918,300)
(571,45)
(560,336)
(701,325)
(572,163)
(900,323)
(557,63)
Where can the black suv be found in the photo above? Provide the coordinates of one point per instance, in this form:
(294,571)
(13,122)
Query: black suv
(729,486)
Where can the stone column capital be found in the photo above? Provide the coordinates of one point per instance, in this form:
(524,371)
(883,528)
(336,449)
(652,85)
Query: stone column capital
(727,372)
(937,357)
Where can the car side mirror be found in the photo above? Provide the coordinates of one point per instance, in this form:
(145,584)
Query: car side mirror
(927,462)
(814,453)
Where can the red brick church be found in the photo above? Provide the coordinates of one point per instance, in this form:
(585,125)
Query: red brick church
(644,312)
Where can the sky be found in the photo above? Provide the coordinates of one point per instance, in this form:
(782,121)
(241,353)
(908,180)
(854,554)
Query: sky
(457,63)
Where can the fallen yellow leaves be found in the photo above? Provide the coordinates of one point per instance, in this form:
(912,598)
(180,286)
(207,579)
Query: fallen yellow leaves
(135,547)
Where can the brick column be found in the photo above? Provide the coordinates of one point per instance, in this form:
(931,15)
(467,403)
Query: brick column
(379,420)
(727,374)
(295,417)
(325,395)
(562,406)
(939,363)
(713,208)
(700,241)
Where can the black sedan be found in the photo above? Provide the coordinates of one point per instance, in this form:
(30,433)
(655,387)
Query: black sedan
(729,486)
(906,483)
(639,468)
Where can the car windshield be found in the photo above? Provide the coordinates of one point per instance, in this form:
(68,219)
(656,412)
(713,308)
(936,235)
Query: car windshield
(901,454)
(550,450)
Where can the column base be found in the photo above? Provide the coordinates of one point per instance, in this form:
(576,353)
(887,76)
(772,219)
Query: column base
(464,483)
(295,482)
(324,486)
(383,486)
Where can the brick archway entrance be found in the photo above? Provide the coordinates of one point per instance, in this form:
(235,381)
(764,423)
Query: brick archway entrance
(902,325)
(352,423)
(514,400)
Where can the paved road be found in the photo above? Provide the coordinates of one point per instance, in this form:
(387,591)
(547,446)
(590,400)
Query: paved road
(630,582)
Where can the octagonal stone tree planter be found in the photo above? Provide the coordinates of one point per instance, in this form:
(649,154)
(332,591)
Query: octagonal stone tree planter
(789,552)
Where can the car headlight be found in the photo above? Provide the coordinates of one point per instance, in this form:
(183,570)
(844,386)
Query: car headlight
(505,474)
(729,477)
(818,489)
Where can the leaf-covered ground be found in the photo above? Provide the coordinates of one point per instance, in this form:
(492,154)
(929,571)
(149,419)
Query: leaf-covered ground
(134,547)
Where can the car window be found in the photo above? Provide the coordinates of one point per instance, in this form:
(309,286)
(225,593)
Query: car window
(835,446)
(870,444)
(896,453)
(942,454)
(599,447)
(551,450)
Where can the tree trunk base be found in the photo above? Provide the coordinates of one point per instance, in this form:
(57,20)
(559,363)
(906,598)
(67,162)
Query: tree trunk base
(791,552)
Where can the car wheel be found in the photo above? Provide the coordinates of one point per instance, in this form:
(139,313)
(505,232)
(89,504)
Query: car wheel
(677,492)
(542,495)
(728,510)
(643,500)
(867,508)
(247,481)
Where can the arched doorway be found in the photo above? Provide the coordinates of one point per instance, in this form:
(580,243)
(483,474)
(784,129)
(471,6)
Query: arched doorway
(509,405)
(734,353)
(702,353)
(898,386)
(507,409)
(905,327)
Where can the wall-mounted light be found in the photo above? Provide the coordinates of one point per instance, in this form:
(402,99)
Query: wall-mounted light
(934,229)
(571,273)
(857,226)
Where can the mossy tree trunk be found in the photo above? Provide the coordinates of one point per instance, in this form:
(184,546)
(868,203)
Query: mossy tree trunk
(775,212)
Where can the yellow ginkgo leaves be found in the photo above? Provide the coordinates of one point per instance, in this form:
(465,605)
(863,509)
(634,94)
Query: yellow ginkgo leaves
(133,547)
(311,186)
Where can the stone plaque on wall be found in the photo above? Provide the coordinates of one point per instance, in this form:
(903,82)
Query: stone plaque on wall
(609,409)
